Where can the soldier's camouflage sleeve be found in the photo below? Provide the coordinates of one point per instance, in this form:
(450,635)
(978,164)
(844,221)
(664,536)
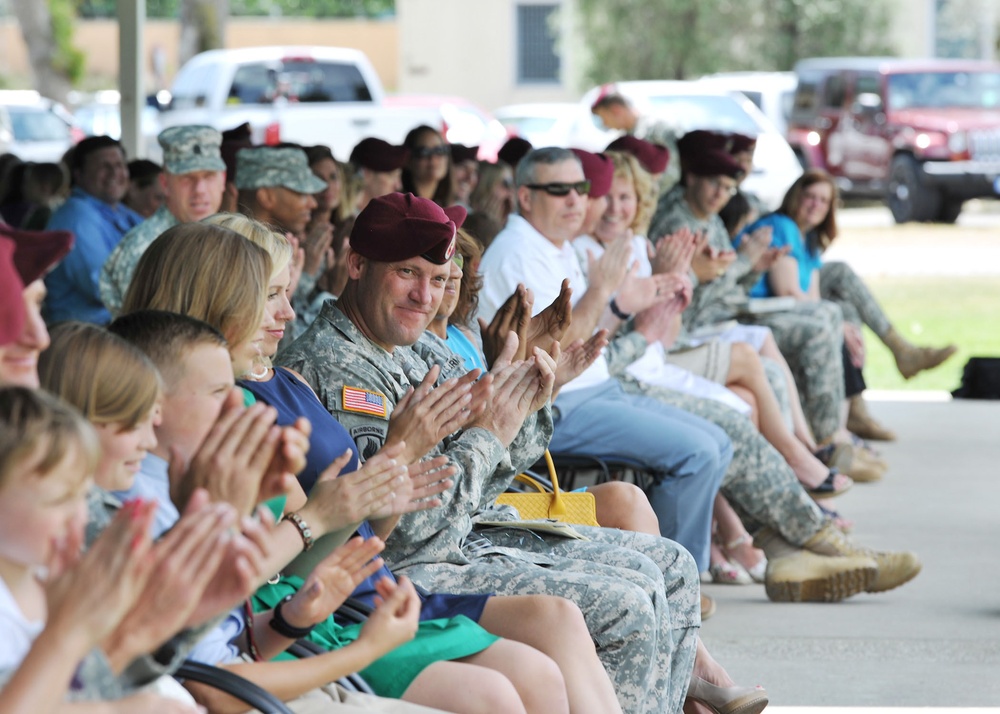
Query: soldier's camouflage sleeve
(623,350)
(120,265)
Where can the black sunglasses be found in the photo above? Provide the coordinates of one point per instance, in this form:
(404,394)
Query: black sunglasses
(425,152)
(561,189)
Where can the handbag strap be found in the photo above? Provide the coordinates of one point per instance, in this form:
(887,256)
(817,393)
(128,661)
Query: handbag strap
(526,479)
(558,507)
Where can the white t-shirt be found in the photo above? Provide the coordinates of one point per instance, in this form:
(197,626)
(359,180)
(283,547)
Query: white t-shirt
(520,254)
(17,633)
(640,253)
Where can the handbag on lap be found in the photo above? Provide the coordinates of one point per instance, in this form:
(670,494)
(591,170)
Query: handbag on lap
(573,507)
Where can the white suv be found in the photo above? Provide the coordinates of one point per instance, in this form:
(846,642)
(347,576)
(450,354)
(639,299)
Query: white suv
(34,128)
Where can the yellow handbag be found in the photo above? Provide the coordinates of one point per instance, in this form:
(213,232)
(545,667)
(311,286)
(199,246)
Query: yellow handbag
(578,508)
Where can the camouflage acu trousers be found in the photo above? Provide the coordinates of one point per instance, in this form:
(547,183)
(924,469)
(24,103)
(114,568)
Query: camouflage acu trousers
(810,337)
(840,284)
(759,484)
(639,595)
(779,385)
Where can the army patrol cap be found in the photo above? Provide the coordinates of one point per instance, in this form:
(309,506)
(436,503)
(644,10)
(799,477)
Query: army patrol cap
(378,155)
(401,226)
(265,167)
(599,171)
(187,149)
(653,157)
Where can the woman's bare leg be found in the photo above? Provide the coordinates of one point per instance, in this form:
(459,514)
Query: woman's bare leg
(555,626)
(802,430)
(624,506)
(745,370)
(463,688)
(735,541)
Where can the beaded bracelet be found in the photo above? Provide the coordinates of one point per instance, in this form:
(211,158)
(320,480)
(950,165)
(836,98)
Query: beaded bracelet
(304,530)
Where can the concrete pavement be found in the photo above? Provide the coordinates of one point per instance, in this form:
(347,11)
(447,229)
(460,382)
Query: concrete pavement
(935,642)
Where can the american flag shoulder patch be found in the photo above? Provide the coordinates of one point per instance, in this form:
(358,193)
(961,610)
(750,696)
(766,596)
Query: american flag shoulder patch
(364,401)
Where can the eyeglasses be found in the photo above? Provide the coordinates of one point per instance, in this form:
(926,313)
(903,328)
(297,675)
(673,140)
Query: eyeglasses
(426,152)
(459,260)
(561,189)
(716,183)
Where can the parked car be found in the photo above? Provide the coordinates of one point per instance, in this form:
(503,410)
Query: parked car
(691,105)
(34,128)
(924,135)
(101,116)
(541,123)
(772,92)
(461,121)
(308,95)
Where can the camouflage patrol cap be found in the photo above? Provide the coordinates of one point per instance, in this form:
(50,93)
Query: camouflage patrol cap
(187,149)
(266,167)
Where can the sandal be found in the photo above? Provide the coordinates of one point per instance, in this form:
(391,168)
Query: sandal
(729,573)
(828,489)
(844,525)
(756,572)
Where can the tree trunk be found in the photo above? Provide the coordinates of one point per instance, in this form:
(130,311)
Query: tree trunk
(203,26)
(36,27)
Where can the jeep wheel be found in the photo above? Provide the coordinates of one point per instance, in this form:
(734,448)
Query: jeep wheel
(950,208)
(909,199)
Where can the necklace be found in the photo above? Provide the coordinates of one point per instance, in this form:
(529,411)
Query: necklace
(259,372)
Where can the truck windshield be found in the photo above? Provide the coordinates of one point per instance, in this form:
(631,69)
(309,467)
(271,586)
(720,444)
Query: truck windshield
(967,90)
(686,113)
(298,80)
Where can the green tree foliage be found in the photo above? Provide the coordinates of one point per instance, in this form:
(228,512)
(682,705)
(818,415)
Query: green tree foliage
(676,39)
(67,60)
(291,8)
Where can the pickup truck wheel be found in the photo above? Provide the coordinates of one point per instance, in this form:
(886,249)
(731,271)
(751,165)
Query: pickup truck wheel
(909,199)
(950,208)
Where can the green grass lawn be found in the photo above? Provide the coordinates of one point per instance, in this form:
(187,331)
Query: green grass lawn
(935,311)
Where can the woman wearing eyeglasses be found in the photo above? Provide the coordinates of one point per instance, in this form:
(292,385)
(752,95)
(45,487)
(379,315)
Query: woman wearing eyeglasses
(806,223)
(428,172)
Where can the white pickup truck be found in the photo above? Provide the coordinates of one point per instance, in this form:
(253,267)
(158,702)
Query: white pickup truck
(306,95)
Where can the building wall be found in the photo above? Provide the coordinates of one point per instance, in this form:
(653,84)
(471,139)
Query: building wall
(468,48)
(99,41)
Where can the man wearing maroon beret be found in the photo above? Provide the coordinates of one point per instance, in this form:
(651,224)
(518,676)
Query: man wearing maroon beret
(364,355)
(381,167)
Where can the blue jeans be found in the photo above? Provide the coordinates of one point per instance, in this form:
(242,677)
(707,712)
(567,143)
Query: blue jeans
(690,454)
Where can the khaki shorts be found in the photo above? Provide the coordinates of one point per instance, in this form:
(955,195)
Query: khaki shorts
(710,360)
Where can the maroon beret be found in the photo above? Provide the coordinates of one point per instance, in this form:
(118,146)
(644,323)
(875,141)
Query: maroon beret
(742,142)
(378,155)
(700,140)
(713,163)
(11,301)
(599,171)
(37,251)
(400,226)
(652,157)
(461,152)
(514,150)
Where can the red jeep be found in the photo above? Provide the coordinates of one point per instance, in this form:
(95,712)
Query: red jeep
(923,134)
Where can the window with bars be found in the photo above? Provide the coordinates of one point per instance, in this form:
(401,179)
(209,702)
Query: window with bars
(537,61)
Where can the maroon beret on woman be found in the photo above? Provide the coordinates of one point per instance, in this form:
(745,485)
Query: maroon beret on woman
(652,157)
(37,251)
(599,171)
(378,155)
(11,300)
(400,226)
(461,153)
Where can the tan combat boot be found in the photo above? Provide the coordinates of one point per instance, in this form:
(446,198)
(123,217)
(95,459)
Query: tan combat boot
(798,575)
(910,359)
(862,423)
(894,568)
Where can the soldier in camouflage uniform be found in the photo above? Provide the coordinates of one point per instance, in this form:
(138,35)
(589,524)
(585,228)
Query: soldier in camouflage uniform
(617,112)
(639,594)
(810,335)
(195,175)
